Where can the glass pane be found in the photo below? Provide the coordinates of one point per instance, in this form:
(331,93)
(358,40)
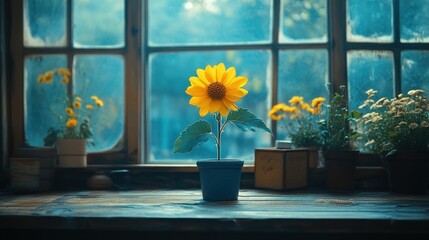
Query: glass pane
(44,23)
(369,21)
(98,23)
(303,21)
(208,22)
(302,73)
(104,77)
(40,110)
(366,70)
(414,20)
(415,70)
(169,111)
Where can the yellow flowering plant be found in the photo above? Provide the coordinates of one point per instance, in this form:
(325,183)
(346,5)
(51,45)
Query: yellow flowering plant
(215,90)
(400,123)
(300,120)
(74,113)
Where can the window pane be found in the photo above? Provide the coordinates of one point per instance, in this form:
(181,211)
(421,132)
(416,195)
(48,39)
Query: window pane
(366,70)
(169,111)
(302,73)
(369,21)
(414,20)
(44,23)
(415,70)
(208,22)
(39,100)
(102,76)
(98,23)
(303,21)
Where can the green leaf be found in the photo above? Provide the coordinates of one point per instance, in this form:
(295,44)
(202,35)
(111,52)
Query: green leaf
(193,135)
(356,114)
(246,120)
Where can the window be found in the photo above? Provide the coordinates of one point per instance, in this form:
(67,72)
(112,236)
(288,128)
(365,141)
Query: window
(139,55)
(87,37)
(387,44)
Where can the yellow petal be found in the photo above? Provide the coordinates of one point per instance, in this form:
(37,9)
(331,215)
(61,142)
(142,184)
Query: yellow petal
(223,110)
(202,76)
(197,82)
(210,74)
(205,102)
(228,76)
(236,93)
(196,91)
(231,98)
(204,111)
(220,70)
(237,82)
(230,104)
(214,106)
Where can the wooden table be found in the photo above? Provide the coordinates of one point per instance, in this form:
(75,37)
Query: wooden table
(172,214)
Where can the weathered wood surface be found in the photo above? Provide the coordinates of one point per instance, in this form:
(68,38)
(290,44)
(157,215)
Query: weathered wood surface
(185,211)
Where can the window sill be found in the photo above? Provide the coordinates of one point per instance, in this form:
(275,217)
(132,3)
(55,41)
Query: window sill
(257,213)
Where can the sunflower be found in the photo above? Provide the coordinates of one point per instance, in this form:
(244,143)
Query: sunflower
(216,89)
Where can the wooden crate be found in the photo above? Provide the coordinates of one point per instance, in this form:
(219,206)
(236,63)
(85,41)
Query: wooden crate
(281,169)
(31,174)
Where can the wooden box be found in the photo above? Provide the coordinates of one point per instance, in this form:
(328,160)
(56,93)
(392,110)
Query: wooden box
(281,169)
(31,174)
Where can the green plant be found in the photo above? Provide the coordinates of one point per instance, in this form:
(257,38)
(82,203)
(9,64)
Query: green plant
(338,128)
(400,123)
(300,120)
(73,114)
(215,90)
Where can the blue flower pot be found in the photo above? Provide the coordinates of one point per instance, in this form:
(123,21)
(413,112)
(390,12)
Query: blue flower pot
(220,179)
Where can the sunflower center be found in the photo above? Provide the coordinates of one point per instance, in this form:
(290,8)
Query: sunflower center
(216,90)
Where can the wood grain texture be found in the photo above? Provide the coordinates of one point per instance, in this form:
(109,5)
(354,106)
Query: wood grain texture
(278,213)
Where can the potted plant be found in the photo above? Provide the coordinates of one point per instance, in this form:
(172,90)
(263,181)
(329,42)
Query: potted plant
(339,149)
(215,90)
(73,130)
(398,130)
(301,121)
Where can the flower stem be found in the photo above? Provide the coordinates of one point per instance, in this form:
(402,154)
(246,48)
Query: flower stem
(219,133)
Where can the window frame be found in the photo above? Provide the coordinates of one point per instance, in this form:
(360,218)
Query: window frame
(127,155)
(136,53)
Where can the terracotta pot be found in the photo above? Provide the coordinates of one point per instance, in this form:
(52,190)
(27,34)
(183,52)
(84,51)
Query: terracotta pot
(71,153)
(340,170)
(220,179)
(407,171)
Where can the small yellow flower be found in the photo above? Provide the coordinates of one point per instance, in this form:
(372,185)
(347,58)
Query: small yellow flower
(48,77)
(40,79)
(99,102)
(64,71)
(78,99)
(65,80)
(77,104)
(273,113)
(69,112)
(296,100)
(71,123)
(89,107)
(316,102)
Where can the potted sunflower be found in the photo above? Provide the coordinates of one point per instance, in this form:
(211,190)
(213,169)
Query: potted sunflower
(398,130)
(214,90)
